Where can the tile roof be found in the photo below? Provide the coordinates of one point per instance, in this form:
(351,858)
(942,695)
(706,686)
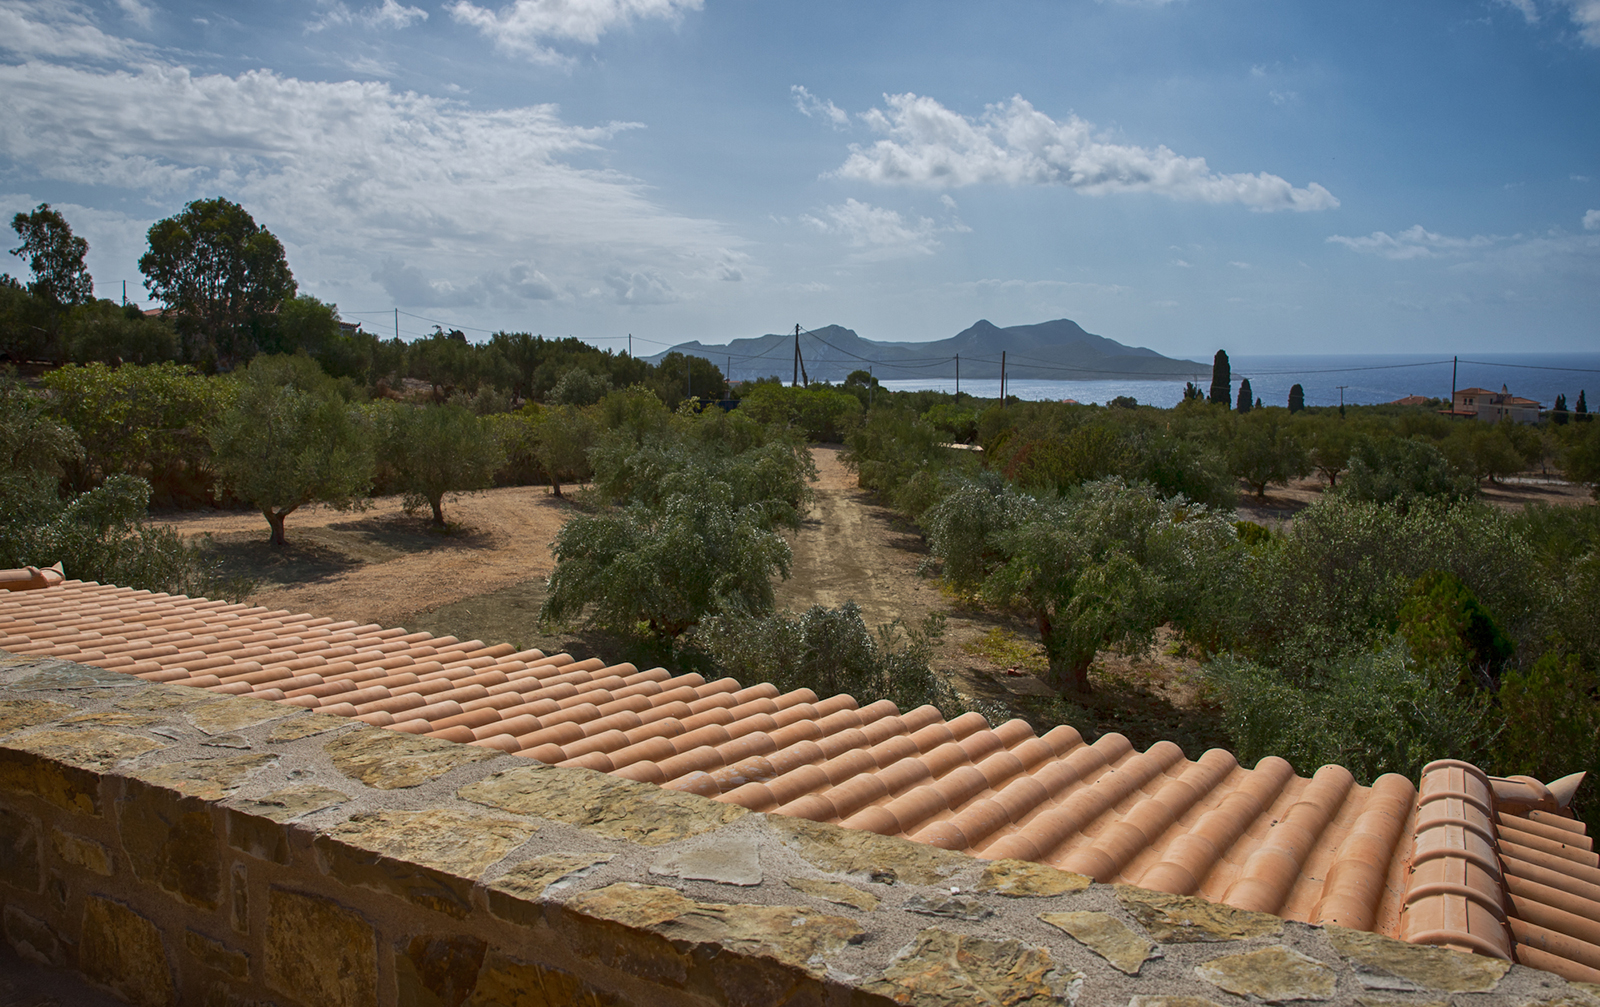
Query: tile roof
(1492,866)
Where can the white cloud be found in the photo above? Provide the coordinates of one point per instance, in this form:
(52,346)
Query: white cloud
(1526,8)
(1415,242)
(524,26)
(1579,178)
(1240,265)
(813,107)
(1591,220)
(140,14)
(59,29)
(368,187)
(389,14)
(1013,143)
(1586,15)
(881,233)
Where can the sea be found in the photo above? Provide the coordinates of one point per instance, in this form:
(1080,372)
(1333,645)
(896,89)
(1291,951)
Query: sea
(1370,379)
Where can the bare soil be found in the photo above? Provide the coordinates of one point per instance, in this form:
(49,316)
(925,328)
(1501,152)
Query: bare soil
(484,578)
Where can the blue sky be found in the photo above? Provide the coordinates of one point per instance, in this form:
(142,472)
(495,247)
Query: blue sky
(1267,177)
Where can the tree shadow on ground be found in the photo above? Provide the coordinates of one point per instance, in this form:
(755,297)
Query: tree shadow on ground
(318,553)
(511,615)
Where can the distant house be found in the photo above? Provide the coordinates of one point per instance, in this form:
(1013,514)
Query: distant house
(1412,400)
(1483,404)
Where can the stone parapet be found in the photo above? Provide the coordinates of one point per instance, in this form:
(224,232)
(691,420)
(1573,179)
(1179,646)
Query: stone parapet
(173,845)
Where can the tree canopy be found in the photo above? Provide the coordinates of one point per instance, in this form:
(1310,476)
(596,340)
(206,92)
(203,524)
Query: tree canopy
(222,275)
(55,255)
(290,439)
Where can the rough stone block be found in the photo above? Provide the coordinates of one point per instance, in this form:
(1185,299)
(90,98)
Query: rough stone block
(1180,919)
(84,854)
(1106,936)
(386,760)
(171,842)
(239,901)
(293,802)
(515,895)
(216,955)
(63,766)
(33,938)
(1271,975)
(15,714)
(209,779)
(259,837)
(1423,967)
(305,727)
(735,954)
(20,863)
(505,982)
(1024,879)
(867,854)
(236,714)
(944,969)
(437,971)
(430,858)
(319,952)
(122,951)
(723,859)
(836,892)
(640,813)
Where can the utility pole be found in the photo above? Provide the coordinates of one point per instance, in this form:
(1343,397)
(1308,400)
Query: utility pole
(1453,362)
(870,384)
(958,377)
(630,346)
(124,293)
(795,382)
(688,377)
(1002,378)
(397,325)
(1341,400)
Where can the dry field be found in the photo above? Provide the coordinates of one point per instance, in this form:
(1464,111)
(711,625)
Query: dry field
(484,579)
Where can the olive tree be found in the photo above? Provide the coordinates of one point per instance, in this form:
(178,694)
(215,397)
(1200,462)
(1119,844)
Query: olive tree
(291,439)
(666,568)
(1103,565)
(439,450)
(1265,450)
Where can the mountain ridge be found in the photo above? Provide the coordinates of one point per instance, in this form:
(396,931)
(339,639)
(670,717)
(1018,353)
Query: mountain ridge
(1059,348)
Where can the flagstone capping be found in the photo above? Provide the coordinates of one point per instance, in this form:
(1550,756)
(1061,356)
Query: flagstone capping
(174,848)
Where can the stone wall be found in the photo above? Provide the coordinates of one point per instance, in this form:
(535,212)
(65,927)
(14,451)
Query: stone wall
(176,846)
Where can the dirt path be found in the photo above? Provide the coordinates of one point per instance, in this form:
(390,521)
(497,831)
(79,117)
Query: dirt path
(850,549)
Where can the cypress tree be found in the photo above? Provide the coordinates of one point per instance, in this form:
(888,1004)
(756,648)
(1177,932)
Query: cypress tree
(1583,405)
(1245,396)
(1221,380)
(1297,399)
(1558,414)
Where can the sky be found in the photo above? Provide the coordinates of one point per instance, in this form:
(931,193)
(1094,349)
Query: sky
(1268,177)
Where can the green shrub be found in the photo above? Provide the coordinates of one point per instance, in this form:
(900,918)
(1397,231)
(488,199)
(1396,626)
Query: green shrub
(665,568)
(831,651)
(1373,712)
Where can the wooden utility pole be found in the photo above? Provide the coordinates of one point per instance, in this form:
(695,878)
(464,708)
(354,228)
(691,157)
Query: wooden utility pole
(795,381)
(958,377)
(1002,377)
(1453,362)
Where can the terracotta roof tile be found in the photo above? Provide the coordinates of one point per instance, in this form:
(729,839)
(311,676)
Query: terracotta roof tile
(1485,865)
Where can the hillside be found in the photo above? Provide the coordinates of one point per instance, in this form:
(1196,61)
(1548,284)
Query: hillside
(1055,349)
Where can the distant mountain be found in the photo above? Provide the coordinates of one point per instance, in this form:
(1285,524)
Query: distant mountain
(1058,349)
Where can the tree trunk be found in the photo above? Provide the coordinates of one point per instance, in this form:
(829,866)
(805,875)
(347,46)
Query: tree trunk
(275,521)
(555,485)
(438,511)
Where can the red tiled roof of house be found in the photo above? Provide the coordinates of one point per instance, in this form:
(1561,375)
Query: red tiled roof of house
(1412,400)
(1492,866)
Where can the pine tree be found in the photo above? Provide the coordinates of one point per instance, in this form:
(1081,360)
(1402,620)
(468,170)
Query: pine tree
(1297,398)
(1221,380)
(1245,396)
